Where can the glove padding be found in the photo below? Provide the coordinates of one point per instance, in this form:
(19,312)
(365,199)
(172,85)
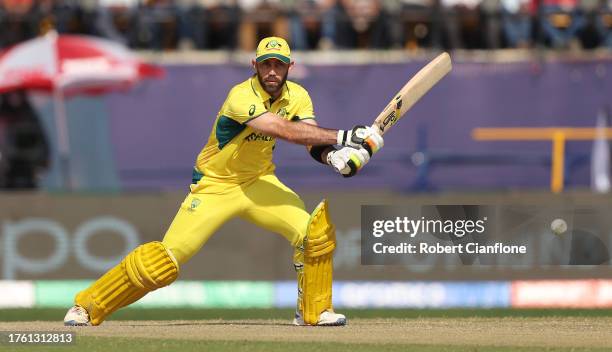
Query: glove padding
(361,137)
(347,161)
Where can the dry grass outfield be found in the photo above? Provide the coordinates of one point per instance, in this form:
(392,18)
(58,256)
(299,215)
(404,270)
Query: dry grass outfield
(548,332)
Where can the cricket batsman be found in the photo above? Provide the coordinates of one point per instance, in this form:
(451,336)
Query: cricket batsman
(234,176)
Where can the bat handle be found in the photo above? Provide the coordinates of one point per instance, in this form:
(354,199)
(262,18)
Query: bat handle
(377,128)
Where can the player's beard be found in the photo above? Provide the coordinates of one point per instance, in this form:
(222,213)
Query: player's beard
(272,91)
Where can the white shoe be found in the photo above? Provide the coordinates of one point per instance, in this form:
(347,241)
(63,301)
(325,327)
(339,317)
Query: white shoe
(77,316)
(327,318)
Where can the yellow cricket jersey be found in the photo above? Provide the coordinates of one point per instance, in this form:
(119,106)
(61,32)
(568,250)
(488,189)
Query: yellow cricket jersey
(235,153)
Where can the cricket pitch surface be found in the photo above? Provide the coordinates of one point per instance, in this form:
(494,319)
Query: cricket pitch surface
(389,334)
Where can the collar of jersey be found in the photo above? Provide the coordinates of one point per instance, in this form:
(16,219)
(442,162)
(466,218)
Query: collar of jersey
(262,92)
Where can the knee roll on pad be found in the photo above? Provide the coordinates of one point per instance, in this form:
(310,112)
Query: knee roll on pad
(147,268)
(151,266)
(319,246)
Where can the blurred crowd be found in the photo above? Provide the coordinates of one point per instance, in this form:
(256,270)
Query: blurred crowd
(317,24)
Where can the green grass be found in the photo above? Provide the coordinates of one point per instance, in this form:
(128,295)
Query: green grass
(50,314)
(94,344)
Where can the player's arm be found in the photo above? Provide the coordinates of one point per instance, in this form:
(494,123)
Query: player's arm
(318,152)
(295,132)
(345,160)
(308,134)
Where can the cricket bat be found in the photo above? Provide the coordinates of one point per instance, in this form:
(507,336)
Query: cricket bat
(412,91)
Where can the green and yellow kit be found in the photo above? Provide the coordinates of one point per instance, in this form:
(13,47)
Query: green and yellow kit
(234,172)
(233,177)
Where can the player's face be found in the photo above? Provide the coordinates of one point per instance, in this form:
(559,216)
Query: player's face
(272,74)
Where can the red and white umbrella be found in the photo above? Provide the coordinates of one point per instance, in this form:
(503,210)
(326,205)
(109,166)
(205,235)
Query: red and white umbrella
(67,65)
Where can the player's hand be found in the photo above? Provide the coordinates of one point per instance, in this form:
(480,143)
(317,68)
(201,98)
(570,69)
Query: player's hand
(361,137)
(347,160)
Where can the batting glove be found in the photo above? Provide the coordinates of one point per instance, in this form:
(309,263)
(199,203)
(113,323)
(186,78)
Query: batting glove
(347,161)
(361,137)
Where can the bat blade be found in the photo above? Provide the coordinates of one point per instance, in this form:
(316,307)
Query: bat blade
(412,91)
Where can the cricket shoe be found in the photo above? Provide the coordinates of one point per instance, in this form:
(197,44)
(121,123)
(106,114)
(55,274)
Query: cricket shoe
(327,318)
(77,316)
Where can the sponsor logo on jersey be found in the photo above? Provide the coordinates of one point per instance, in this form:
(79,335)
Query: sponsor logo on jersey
(255,136)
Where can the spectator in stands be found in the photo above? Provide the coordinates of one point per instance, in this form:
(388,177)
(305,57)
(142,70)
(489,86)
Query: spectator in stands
(517,23)
(331,13)
(23,143)
(603,23)
(17,21)
(360,24)
(224,19)
(112,19)
(451,13)
(491,23)
(65,16)
(418,25)
(156,25)
(561,22)
(193,28)
(304,18)
(263,18)
(589,37)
